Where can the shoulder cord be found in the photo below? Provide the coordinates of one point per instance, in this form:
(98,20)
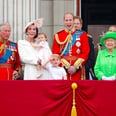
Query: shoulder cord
(67,41)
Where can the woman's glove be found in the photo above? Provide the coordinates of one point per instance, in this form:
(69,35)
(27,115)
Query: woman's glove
(108,78)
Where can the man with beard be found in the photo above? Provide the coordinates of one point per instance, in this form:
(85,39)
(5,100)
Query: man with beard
(78,23)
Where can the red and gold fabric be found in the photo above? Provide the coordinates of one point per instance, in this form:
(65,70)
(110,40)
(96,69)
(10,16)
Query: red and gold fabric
(78,50)
(9,59)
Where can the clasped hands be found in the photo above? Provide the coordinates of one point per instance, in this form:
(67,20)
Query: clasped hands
(39,62)
(16,75)
(72,70)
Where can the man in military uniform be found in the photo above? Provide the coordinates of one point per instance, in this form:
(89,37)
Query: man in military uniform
(10,66)
(73,48)
(78,22)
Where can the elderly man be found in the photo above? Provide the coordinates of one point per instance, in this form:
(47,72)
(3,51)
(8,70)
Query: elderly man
(10,66)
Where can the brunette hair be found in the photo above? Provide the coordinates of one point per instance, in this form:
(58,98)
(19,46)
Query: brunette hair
(36,31)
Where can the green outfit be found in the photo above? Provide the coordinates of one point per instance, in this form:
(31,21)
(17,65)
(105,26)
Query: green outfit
(105,64)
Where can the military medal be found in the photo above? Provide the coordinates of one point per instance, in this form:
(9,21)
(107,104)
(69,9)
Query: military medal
(12,56)
(78,44)
(78,51)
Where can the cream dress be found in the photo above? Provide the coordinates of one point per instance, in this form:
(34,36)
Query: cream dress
(44,54)
(29,57)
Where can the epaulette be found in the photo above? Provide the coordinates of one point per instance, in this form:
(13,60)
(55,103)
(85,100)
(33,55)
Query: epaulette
(60,32)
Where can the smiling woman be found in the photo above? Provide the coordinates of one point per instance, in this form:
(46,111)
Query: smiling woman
(105,67)
(28,54)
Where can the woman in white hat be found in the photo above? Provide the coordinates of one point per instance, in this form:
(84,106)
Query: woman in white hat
(105,67)
(28,54)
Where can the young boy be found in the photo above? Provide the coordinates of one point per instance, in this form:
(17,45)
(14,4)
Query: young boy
(55,71)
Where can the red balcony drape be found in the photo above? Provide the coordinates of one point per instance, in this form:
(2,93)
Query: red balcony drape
(54,98)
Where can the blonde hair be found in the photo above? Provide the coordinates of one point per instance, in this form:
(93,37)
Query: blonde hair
(42,33)
(55,56)
(67,14)
(79,18)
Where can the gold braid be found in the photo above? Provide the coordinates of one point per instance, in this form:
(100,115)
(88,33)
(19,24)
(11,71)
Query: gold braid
(67,41)
(58,41)
(3,46)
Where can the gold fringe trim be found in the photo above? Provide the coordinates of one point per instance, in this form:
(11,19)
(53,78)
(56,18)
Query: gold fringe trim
(65,63)
(67,41)
(58,41)
(83,75)
(78,62)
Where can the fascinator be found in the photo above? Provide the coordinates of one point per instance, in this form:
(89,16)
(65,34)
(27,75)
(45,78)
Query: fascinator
(38,23)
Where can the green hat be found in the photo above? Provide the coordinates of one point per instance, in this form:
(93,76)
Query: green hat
(109,34)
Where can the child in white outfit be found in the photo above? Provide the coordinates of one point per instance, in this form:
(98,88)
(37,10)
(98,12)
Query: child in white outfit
(55,71)
(44,53)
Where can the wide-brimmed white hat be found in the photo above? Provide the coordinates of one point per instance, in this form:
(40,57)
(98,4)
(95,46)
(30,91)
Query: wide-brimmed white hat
(38,23)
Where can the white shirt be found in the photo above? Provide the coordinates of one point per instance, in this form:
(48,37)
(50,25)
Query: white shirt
(44,53)
(56,73)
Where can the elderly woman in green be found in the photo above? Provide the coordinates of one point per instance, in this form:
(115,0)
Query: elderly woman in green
(105,67)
